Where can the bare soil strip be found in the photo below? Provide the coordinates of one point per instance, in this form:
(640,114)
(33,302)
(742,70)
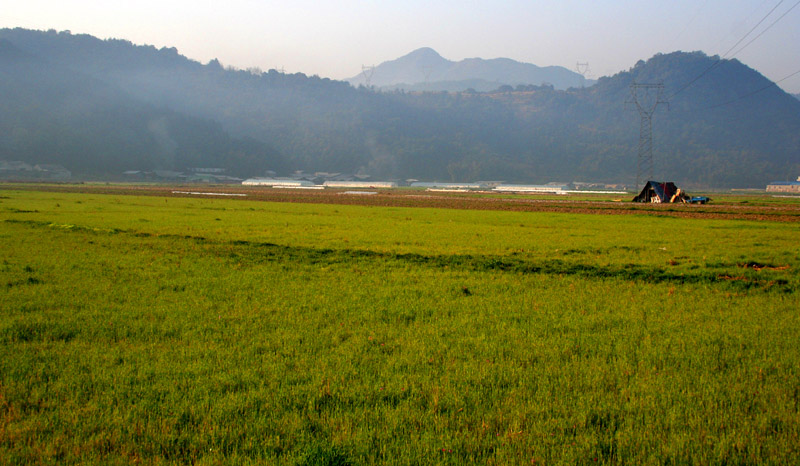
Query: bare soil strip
(473,201)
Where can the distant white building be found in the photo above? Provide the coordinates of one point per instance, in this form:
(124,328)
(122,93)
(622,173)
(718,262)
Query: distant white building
(531,188)
(784,186)
(15,166)
(22,171)
(436,185)
(360,184)
(207,170)
(52,171)
(277,183)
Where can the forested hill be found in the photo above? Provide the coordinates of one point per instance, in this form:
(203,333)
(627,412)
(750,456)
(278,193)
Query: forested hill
(105,105)
(57,111)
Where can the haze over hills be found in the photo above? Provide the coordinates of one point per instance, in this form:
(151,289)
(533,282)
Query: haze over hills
(425,70)
(99,107)
(57,109)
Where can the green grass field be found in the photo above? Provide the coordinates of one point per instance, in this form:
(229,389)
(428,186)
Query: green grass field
(156,330)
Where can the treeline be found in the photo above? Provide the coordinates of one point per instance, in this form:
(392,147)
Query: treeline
(91,103)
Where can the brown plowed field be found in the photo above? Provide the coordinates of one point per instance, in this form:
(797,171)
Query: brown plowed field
(784,212)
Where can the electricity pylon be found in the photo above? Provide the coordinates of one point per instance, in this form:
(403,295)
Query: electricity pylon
(426,71)
(647,98)
(367,71)
(583,70)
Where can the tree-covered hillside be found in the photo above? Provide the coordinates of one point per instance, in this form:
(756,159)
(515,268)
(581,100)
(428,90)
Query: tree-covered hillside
(61,114)
(112,100)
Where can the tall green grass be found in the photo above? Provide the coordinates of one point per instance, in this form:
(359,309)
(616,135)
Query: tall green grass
(187,331)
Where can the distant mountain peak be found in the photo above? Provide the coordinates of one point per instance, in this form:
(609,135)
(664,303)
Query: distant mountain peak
(422,57)
(424,66)
(424,52)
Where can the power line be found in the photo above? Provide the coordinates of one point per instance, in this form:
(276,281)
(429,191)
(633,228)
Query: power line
(733,34)
(754,28)
(767,29)
(754,92)
(686,28)
(719,60)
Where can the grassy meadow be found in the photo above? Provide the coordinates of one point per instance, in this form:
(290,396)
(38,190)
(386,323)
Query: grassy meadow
(166,330)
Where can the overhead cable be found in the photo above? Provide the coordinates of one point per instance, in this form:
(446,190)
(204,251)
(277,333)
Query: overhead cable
(767,28)
(755,92)
(719,60)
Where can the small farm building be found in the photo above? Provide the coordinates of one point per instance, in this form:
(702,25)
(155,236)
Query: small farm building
(658,192)
(784,186)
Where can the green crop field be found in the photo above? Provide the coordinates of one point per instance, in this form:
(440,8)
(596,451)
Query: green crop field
(168,330)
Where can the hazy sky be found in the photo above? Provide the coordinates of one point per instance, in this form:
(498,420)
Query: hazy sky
(335,38)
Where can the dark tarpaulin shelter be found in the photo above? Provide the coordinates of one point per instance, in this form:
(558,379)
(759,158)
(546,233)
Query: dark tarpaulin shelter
(660,192)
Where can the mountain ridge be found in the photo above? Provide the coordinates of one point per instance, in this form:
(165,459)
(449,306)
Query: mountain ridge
(424,68)
(88,103)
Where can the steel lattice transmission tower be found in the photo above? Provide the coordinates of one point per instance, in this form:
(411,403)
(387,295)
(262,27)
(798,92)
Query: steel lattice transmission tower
(427,70)
(647,98)
(367,71)
(583,70)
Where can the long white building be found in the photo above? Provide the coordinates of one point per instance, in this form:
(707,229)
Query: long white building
(531,188)
(277,183)
(436,185)
(360,184)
